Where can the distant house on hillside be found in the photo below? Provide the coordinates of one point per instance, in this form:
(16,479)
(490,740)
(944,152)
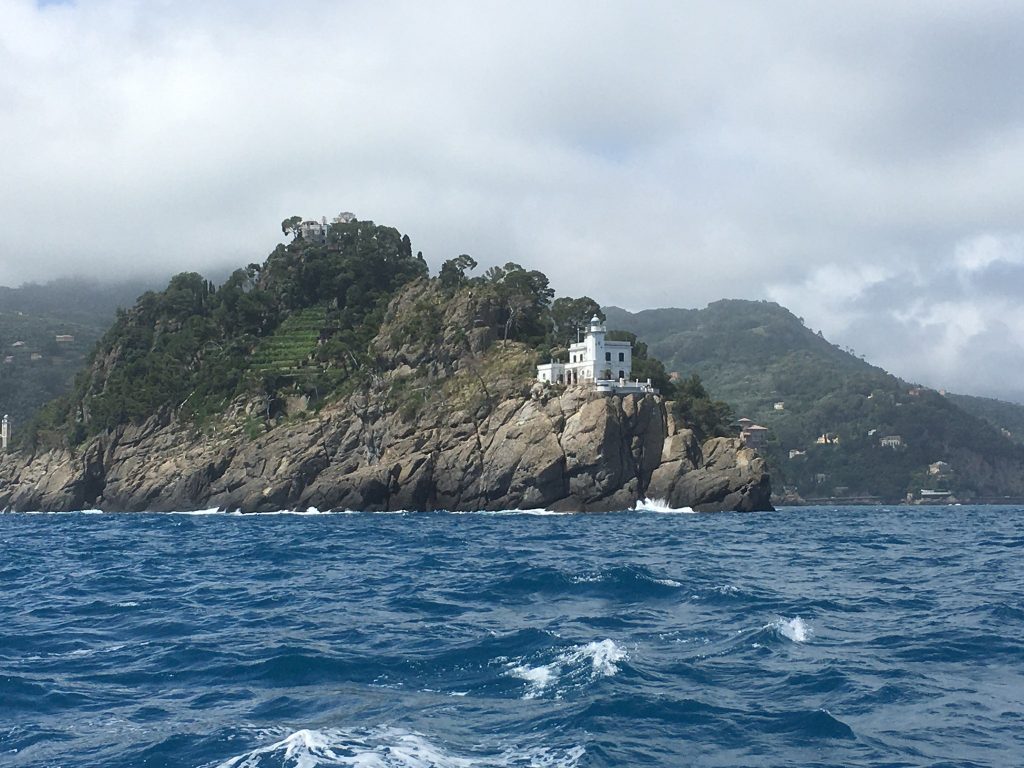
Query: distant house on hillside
(780,406)
(64,338)
(753,435)
(18,344)
(827,438)
(891,441)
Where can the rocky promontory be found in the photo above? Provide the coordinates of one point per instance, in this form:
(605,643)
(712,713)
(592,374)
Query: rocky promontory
(335,388)
(574,450)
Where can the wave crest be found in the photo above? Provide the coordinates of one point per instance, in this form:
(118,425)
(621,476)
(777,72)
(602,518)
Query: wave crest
(660,506)
(574,666)
(795,629)
(386,748)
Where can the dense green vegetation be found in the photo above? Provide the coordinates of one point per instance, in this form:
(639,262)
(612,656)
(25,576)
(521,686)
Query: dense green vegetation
(34,366)
(999,413)
(757,354)
(301,325)
(301,322)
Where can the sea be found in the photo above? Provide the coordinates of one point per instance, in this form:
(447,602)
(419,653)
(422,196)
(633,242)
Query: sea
(814,636)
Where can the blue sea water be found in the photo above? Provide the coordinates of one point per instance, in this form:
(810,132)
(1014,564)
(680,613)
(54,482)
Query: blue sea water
(813,637)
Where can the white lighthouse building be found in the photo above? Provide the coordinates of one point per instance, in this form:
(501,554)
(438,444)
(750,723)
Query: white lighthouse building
(595,361)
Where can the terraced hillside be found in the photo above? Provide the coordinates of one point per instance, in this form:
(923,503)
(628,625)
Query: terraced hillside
(290,349)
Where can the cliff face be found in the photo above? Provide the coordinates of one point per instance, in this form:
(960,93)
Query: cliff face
(573,451)
(451,421)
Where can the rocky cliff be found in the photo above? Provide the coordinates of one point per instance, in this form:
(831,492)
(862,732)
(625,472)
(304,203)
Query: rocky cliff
(451,420)
(571,451)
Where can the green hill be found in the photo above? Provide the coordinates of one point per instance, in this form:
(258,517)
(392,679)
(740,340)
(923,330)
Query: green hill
(1004,416)
(46,334)
(769,367)
(280,339)
(300,323)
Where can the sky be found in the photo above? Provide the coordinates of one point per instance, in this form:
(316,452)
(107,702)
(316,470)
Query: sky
(858,162)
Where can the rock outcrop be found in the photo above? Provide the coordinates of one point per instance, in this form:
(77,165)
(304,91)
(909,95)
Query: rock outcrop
(576,450)
(451,421)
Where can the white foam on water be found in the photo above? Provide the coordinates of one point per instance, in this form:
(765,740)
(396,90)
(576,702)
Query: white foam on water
(604,656)
(202,512)
(660,506)
(668,582)
(537,678)
(575,666)
(795,629)
(538,512)
(386,748)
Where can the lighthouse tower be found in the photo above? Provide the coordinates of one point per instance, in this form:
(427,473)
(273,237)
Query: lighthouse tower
(597,362)
(5,432)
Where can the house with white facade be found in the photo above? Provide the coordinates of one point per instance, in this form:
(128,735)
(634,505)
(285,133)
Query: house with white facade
(596,361)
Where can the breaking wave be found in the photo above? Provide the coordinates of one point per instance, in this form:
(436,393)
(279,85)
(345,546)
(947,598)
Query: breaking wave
(571,668)
(660,506)
(795,629)
(387,748)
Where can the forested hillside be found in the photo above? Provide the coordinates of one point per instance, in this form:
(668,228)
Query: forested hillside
(1006,417)
(828,411)
(289,335)
(46,334)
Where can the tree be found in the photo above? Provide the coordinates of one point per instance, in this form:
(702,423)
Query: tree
(568,314)
(525,297)
(453,271)
(290,226)
(694,407)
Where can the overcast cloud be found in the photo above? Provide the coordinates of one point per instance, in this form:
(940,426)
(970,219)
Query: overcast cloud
(860,163)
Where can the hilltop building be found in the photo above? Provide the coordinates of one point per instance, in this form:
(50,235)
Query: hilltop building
(316,231)
(596,361)
(313,230)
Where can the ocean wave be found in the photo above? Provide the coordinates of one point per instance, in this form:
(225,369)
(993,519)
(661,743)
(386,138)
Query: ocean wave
(388,748)
(660,506)
(204,512)
(572,667)
(795,629)
(629,583)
